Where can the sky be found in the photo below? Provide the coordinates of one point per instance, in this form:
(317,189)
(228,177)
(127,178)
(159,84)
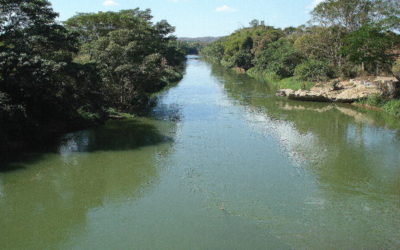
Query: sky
(198,18)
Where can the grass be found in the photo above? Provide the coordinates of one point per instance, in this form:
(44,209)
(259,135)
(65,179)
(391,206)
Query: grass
(285,83)
(392,107)
(113,114)
(389,106)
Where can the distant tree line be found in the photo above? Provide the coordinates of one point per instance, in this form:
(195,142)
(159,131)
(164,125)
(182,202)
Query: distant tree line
(55,77)
(191,47)
(345,38)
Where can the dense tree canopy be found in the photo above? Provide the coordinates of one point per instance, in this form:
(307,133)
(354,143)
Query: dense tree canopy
(345,38)
(54,76)
(353,14)
(368,46)
(39,83)
(134,56)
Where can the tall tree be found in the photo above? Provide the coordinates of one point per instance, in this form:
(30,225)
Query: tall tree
(133,55)
(370,47)
(38,79)
(350,14)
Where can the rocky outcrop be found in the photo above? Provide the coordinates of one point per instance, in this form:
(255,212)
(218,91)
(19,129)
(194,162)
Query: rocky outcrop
(346,91)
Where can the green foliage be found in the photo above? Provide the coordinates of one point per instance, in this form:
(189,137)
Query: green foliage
(241,48)
(322,43)
(295,84)
(134,57)
(368,46)
(191,47)
(353,14)
(280,58)
(349,35)
(350,14)
(263,75)
(373,101)
(313,70)
(55,77)
(92,26)
(38,77)
(273,79)
(393,107)
(390,106)
(214,51)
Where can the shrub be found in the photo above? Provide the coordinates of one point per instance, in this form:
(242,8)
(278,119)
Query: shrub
(313,70)
(374,101)
(393,107)
(280,58)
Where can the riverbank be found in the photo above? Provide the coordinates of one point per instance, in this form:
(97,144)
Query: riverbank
(389,106)
(378,92)
(373,93)
(277,82)
(219,151)
(38,136)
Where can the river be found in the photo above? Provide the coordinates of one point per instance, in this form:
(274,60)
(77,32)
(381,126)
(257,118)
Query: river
(220,163)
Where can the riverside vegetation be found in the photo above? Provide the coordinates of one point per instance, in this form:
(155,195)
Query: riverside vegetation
(57,77)
(345,39)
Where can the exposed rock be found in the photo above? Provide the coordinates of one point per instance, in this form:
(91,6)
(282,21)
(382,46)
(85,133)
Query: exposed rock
(305,95)
(284,92)
(357,93)
(346,91)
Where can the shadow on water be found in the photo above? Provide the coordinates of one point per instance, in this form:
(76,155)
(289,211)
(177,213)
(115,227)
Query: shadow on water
(59,187)
(11,162)
(113,136)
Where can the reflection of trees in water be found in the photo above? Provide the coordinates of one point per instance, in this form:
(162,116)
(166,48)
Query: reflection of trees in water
(342,144)
(42,205)
(353,155)
(115,136)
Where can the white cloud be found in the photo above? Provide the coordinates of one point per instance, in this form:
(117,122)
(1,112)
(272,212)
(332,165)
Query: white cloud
(225,8)
(109,3)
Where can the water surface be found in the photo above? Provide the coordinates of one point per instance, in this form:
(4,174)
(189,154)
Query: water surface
(221,163)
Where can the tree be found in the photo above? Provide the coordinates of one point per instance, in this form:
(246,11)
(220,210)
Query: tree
(36,60)
(313,70)
(370,47)
(353,14)
(280,58)
(350,14)
(320,43)
(255,23)
(134,56)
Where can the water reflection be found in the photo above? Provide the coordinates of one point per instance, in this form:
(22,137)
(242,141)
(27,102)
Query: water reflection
(221,163)
(52,197)
(348,142)
(352,154)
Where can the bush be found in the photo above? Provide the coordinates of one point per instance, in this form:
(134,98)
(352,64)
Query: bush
(313,70)
(374,101)
(280,58)
(393,107)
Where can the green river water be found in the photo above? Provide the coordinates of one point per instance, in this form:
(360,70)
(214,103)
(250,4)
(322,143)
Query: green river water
(221,163)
